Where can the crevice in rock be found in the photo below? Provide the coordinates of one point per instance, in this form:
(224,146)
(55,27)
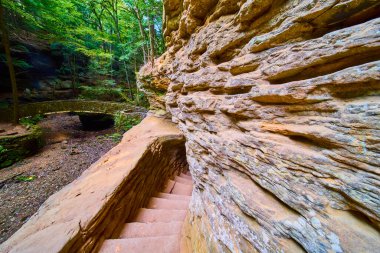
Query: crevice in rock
(231,91)
(347,20)
(354,90)
(304,28)
(226,55)
(266,195)
(364,219)
(330,65)
(292,245)
(312,142)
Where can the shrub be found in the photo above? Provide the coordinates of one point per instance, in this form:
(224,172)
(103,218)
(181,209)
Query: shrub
(125,122)
(31,120)
(115,137)
(101,93)
(2,150)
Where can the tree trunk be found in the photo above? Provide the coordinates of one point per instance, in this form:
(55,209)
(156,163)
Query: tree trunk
(142,32)
(75,75)
(128,83)
(151,40)
(6,44)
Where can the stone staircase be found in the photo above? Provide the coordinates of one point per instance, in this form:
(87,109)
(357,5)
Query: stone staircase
(157,227)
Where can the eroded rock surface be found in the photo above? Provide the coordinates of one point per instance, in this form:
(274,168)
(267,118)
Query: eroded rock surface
(279,102)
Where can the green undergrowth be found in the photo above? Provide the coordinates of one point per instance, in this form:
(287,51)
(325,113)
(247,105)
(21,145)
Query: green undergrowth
(125,122)
(31,120)
(115,137)
(15,148)
(116,94)
(25,178)
(102,93)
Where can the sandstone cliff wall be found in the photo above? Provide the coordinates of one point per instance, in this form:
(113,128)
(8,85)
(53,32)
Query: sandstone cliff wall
(279,103)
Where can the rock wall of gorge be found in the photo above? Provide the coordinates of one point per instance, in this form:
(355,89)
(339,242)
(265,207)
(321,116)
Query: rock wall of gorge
(279,103)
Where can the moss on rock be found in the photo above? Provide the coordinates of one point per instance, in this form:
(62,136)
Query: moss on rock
(16,147)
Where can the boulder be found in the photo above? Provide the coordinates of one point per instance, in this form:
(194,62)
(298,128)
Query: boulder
(19,143)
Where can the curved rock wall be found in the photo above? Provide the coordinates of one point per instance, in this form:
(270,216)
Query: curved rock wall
(279,103)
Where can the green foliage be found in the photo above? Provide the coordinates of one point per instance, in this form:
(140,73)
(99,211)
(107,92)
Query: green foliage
(4,104)
(115,137)
(21,64)
(101,93)
(7,157)
(108,37)
(2,150)
(125,122)
(141,99)
(15,148)
(18,63)
(25,178)
(31,120)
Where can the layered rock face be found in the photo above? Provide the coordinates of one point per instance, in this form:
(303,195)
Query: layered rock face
(279,103)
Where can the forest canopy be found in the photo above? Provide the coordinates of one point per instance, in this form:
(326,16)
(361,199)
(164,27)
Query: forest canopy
(96,37)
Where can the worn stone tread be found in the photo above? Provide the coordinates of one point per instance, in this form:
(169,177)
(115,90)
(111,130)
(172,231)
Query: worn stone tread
(157,215)
(137,229)
(183,180)
(169,204)
(160,244)
(173,196)
(182,189)
(169,186)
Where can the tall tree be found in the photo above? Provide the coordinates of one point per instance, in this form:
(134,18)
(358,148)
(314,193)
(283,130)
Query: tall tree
(152,36)
(6,45)
(113,37)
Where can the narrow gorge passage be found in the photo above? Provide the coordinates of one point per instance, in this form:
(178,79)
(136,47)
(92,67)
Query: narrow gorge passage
(158,226)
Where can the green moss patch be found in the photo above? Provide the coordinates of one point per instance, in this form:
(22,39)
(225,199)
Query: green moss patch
(14,148)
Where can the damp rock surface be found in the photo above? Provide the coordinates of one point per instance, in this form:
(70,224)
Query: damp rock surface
(279,103)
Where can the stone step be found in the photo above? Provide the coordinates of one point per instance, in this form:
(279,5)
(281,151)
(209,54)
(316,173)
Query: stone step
(169,204)
(186,176)
(182,189)
(169,186)
(160,244)
(159,215)
(136,229)
(163,195)
(183,180)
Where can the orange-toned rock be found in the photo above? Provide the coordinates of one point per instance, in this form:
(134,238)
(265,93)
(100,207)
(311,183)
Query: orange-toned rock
(96,205)
(279,103)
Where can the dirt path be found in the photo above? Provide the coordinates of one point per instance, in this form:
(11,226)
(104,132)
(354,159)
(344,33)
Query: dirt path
(68,152)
